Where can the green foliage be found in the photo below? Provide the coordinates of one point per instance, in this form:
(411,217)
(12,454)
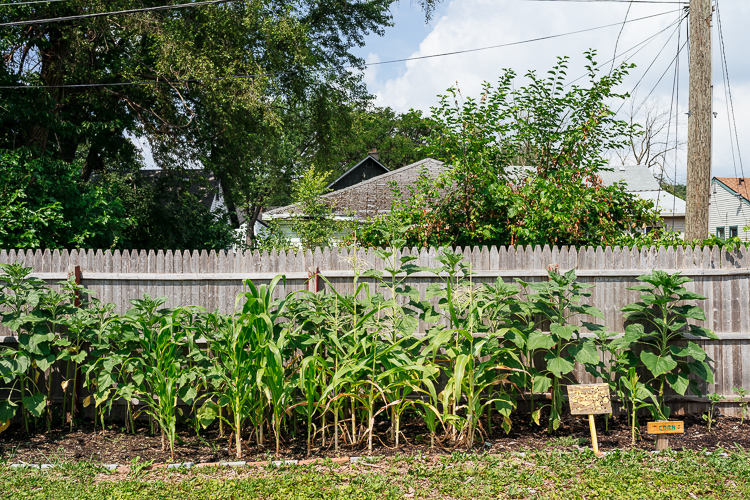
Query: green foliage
(709,416)
(43,204)
(656,322)
(558,301)
(741,402)
(315,223)
(340,361)
(559,133)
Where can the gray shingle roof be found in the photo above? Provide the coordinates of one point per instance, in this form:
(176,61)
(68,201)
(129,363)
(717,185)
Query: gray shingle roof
(637,177)
(372,196)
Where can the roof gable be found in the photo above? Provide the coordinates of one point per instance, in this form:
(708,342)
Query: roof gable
(362,171)
(373,196)
(736,185)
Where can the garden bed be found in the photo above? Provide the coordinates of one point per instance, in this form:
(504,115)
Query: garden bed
(113,445)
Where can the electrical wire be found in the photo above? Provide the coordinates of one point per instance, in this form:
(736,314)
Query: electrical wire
(648,69)
(728,92)
(642,44)
(617,41)
(113,13)
(515,43)
(13,4)
(177,82)
(613,1)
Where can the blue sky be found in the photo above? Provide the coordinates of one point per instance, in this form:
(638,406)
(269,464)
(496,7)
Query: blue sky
(470,24)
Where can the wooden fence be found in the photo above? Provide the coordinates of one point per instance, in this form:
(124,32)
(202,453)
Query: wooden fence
(213,280)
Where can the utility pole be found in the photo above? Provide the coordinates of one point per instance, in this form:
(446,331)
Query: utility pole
(699,122)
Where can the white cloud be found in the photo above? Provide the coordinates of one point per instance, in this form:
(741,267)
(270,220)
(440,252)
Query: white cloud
(470,24)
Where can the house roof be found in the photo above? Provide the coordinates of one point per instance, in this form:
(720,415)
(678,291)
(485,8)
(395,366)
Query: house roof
(368,159)
(638,178)
(372,196)
(736,184)
(642,183)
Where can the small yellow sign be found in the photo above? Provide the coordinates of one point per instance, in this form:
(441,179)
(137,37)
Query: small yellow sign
(589,399)
(666,427)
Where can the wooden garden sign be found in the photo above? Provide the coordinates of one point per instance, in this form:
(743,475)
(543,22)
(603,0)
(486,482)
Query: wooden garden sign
(663,429)
(590,399)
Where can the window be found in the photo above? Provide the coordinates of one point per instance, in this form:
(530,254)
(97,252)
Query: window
(733,231)
(720,232)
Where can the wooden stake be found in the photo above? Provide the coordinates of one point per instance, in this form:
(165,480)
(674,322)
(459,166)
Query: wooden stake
(594,441)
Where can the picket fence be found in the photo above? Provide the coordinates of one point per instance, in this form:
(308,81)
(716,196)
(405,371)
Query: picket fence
(214,279)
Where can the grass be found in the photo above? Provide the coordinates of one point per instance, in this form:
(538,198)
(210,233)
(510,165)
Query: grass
(543,474)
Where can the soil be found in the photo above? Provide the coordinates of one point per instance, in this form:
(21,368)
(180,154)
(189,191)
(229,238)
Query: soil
(114,446)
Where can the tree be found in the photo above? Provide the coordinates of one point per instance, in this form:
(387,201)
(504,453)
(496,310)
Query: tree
(397,137)
(44,205)
(561,136)
(648,139)
(247,88)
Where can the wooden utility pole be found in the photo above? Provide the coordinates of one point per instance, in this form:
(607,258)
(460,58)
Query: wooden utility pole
(699,122)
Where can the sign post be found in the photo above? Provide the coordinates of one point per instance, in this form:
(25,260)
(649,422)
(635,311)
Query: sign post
(662,429)
(590,399)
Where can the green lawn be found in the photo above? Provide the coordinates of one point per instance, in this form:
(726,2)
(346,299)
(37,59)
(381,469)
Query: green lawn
(544,474)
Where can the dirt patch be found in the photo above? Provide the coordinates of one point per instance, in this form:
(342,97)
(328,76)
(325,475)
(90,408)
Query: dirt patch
(112,445)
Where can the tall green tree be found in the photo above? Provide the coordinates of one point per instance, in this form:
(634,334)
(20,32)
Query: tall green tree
(251,89)
(557,133)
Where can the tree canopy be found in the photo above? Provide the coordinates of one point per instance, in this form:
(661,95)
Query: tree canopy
(254,91)
(525,162)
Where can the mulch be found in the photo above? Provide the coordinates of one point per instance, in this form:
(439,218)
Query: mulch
(114,446)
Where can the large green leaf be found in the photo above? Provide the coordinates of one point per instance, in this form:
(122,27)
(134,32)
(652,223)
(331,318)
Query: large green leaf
(539,340)
(702,370)
(585,353)
(692,312)
(679,382)
(541,384)
(699,331)
(658,365)
(692,349)
(45,362)
(7,410)
(207,413)
(559,365)
(563,331)
(35,404)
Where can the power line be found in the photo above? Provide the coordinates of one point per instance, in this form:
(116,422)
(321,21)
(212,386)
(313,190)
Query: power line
(515,43)
(649,68)
(613,1)
(193,80)
(113,13)
(617,41)
(642,44)
(728,90)
(13,4)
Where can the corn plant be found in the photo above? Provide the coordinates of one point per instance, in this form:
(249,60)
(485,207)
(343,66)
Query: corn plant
(399,312)
(667,363)
(231,375)
(157,370)
(634,395)
(558,301)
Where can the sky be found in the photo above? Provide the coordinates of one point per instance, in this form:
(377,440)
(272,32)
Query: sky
(459,25)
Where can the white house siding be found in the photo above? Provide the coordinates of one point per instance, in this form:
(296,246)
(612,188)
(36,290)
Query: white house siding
(726,209)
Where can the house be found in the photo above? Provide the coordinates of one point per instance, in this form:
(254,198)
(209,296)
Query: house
(642,183)
(364,191)
(729,208)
